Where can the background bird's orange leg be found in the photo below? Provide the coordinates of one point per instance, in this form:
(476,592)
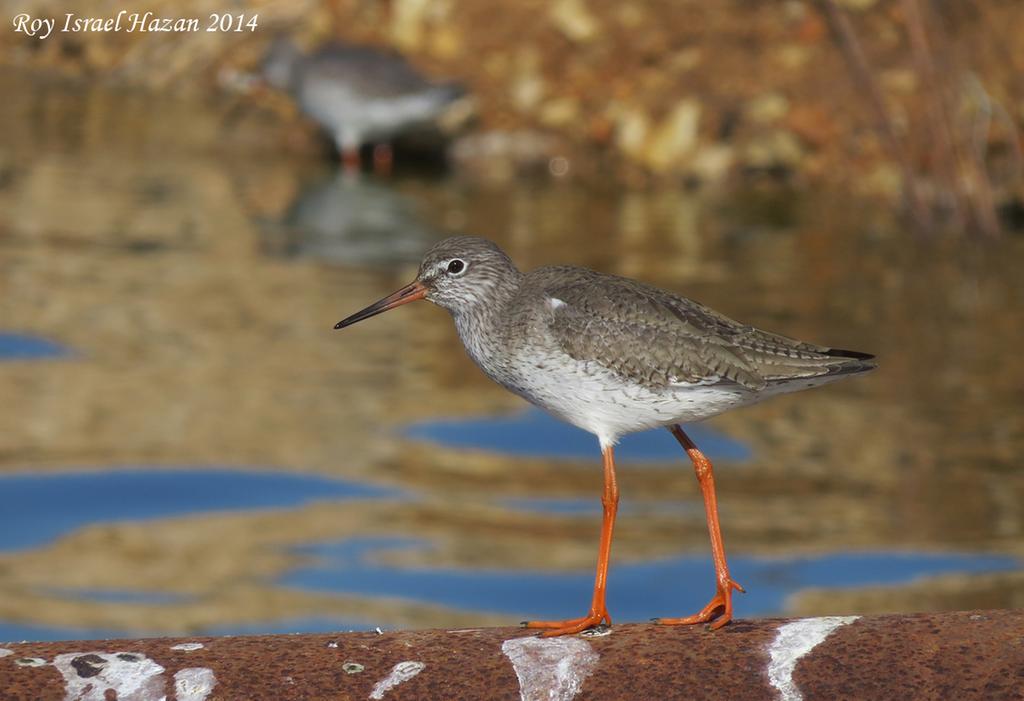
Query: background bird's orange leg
(383,159)
(351,160)
(722,600)
(598,611)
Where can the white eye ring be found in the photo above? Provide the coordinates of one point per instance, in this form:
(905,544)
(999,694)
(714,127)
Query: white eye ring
(456,266)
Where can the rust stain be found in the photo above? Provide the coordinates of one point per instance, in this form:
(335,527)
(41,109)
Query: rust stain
(962,655)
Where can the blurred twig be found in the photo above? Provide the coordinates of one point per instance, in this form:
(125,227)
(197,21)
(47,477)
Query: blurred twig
(862,75)
(940,138)
(989,115)
(960,164)
(953,178)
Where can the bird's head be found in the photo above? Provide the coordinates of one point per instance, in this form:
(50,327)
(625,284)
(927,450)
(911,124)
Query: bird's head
(461,274)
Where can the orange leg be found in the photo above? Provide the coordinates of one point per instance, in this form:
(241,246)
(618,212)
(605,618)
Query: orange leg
(383,159)
(598,611)
(350,159)
(722,600)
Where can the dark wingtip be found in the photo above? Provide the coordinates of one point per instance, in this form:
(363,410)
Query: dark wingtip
(856,362)
(855,355)
(339,325)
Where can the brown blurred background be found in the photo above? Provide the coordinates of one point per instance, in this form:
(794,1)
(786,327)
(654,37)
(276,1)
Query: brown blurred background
(913,101)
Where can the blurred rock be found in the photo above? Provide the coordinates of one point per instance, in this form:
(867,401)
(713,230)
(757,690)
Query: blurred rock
(767,108)
(560,112)
(791,57)
(447,43)
(711,164)
(631,15)
(686,60)
(775,149)
(899,80)
(884,179)
(675,137)
(407,22)
(632,132)
(527,85)
(574,20)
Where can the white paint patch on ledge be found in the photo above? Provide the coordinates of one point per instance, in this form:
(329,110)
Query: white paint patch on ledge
(187,647)
(550,669)
(194,683)
(401,672)
(792,642)
(131,675)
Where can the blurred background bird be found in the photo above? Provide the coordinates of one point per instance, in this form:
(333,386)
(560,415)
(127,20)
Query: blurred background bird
(358,94)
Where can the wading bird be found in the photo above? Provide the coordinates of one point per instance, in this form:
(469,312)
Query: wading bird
(613,356)
(358,94)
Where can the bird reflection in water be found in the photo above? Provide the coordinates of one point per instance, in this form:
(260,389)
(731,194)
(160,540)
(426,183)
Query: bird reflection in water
(349,219)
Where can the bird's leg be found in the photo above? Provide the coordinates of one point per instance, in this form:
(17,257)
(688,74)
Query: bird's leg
(722,600)
(383,159)
(598,612)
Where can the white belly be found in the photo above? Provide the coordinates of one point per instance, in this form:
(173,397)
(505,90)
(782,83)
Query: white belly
(597,401)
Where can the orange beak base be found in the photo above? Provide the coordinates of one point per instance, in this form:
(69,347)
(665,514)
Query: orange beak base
(409,293)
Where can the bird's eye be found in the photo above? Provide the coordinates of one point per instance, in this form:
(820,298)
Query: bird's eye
(456,267)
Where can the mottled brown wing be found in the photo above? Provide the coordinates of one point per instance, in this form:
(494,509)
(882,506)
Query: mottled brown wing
(655,338)
(371,73)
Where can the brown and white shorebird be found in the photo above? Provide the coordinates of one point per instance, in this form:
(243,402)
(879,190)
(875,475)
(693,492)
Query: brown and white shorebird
(359,94)
(613,356)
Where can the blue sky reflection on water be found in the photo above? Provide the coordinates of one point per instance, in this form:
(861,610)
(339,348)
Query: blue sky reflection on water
(37,508)
(637,591)
(11,632)
(534,433)
(34,509)
(18,346)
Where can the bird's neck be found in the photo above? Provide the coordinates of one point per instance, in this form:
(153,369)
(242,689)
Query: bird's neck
(480,325)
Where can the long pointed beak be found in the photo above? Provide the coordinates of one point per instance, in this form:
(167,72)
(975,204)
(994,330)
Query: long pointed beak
(409,293)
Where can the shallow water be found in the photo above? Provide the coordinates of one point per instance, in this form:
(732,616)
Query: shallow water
(638,591)
(39,508)
(186,275)
(17,346)
(533,433)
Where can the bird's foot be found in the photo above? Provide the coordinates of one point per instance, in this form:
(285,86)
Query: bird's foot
(719,608)
(571,625)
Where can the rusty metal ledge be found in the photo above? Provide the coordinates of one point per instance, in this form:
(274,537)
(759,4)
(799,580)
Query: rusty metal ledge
(962,656)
